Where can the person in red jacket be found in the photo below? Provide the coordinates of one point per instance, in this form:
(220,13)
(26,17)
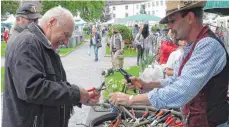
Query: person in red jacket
(167,47)
(6,34)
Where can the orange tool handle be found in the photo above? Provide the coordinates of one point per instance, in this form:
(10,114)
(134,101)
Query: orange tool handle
(178,124)
(112,124)
(117,122)
(170,121)
(160,113)
(137,83)
(145,114)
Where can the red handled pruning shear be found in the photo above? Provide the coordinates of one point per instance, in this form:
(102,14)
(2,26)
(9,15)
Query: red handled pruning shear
(96,91)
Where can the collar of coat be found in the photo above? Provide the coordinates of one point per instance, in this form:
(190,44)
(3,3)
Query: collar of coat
(39,34)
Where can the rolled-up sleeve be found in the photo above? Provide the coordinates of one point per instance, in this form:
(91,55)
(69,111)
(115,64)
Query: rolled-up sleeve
(207,60)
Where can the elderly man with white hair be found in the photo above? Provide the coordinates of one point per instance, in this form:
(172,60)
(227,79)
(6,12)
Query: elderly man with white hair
(36,92)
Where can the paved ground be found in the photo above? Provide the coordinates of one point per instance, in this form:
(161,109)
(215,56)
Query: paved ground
(83,71)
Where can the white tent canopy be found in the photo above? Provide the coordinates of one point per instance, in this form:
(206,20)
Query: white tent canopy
(78,20)
(10,20)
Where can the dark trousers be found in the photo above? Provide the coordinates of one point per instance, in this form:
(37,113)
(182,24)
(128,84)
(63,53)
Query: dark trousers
(140,53)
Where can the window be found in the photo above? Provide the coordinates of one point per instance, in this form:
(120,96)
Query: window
(157,3)
(149,12)
(148,4)
(161,3)
(126,15)
(153,13)
(152,4)
(113,8)
(126,7)
(114,15)
(137,7)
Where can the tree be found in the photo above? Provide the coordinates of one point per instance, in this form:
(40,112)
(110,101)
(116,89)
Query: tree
(106,15)
(89,10)
(9,7)
(142,9)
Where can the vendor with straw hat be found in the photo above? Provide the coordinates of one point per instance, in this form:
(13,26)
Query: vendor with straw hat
(199,84)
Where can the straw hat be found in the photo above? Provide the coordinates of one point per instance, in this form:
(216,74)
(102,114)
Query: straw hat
(176,6)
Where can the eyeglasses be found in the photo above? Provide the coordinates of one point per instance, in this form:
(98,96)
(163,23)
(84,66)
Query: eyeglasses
(31,20)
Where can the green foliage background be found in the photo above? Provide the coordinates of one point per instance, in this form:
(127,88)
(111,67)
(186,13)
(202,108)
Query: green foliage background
(89,10)
(125,31)
(9,6)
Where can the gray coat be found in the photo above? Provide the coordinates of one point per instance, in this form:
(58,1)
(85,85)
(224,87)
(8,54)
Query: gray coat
(97,39)
(116,42)
(146,43)
(15,31)
(36,93)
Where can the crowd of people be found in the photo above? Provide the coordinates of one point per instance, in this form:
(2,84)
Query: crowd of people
(37,92)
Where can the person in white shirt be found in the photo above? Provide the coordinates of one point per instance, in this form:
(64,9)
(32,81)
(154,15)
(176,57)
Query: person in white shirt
(173,60)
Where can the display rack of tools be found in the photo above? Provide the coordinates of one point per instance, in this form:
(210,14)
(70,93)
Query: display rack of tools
(138,116)
(133,116)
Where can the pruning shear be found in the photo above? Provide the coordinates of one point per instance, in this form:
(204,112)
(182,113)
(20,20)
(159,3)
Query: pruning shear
(127,77)
(116,122)
(96,91)
(161,118)
(144,115)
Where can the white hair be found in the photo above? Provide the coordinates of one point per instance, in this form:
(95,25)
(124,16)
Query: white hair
(59,12)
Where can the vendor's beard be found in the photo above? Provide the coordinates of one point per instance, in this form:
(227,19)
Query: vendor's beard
(175,38)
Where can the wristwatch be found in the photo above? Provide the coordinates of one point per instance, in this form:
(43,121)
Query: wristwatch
(131,97)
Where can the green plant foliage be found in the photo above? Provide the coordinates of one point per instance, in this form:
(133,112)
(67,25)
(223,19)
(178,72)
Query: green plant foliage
(145,63)
(85,29)
(163,26)
(89,11)
(160,27)
(3,48)
(115,83)
(125,31)
(9,6)
(154,28)
(127,52)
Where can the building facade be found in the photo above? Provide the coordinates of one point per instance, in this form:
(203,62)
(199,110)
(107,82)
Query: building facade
(122,9)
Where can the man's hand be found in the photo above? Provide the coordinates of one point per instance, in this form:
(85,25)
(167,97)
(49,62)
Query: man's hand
(84,96)
(146,85)
(95,100)
(133,86)
(119,98)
